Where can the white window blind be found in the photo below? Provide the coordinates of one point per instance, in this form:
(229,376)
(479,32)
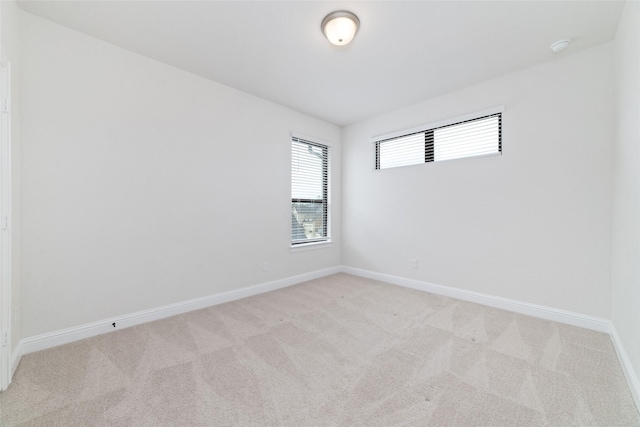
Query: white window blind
(401,151)
(309,191)
(480,136)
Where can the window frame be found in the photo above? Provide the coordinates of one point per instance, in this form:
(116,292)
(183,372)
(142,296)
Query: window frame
(429,128)
(324,241)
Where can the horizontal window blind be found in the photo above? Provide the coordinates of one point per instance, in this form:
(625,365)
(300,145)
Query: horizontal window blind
(402,151)
(470,138)
(309,191)
(477,137)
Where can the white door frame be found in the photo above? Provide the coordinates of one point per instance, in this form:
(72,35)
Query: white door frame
(5,222)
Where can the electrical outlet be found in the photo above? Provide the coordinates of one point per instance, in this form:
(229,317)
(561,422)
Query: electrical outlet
(265,266)
(414,263)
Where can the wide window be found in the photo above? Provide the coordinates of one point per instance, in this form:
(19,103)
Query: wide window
(481,136)
(309,191)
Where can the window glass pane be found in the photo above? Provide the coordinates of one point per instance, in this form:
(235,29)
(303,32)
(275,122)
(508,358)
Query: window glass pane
(402,151)
(308,221)
(475,138)
(309,191)
(306,171)
(470,138)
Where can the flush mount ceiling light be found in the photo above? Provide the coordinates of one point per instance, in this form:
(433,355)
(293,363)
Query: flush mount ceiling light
(340,27)
(560,45)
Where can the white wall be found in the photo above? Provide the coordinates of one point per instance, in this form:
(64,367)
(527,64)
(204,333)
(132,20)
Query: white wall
(531,225)
(11,51)
(626,186)
(136,197)
(144,185)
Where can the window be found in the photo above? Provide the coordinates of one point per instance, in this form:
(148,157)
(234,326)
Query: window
(309,191)
(480,136)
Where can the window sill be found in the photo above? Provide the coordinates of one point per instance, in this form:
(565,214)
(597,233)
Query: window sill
(311,246)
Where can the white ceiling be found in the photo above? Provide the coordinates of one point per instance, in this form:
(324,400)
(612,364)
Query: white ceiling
(405,52)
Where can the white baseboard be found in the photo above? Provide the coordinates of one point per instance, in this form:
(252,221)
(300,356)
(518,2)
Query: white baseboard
(65,336)
(15,358)
(56,338)
(549,313)
(627,367)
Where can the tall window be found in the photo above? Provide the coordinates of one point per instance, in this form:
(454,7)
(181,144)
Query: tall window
(480,136)
(309,191)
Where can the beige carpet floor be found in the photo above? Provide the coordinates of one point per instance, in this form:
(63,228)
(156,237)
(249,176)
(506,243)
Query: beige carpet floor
(340,350)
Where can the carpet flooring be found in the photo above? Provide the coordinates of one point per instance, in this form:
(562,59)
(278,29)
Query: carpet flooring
(340,350)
